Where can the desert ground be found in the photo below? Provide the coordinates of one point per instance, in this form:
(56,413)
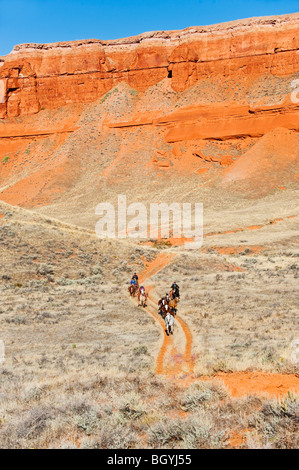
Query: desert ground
(85,367)
(203,115)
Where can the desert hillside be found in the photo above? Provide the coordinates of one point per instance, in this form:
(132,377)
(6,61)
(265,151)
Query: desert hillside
(208,114)
(171,114)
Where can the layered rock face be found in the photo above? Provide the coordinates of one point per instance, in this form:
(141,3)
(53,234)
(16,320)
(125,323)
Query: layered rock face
(34,77)
(190,109)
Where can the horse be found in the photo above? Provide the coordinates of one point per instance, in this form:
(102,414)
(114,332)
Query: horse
(169,321)
(174,295)
(164,310)
(173,305)
(162,302)
(132,289)
(142,299)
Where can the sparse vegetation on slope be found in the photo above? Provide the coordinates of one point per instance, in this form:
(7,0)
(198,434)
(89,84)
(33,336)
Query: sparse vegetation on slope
(80,361)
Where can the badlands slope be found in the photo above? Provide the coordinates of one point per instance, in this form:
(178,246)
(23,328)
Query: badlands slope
(206,114)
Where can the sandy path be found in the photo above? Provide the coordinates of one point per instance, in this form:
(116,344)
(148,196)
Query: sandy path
(174,359)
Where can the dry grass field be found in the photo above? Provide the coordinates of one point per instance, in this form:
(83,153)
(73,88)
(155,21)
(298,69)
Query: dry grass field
(85,367)
(241,308)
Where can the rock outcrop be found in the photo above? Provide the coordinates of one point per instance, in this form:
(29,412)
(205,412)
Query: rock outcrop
(37,76)
(200,105)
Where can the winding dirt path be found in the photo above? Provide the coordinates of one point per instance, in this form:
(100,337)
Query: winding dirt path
(175,360)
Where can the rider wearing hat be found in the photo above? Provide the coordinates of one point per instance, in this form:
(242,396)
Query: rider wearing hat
(141,291)
(134,279)
(175,290)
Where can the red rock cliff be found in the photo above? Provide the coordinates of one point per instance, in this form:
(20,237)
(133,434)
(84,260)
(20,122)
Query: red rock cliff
(33,76)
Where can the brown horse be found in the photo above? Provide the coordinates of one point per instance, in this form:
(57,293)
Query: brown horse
(165,309)
(173,306)
(133,289)
(162,302)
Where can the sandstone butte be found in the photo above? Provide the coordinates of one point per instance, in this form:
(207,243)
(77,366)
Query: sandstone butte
(36,79)
(35,76)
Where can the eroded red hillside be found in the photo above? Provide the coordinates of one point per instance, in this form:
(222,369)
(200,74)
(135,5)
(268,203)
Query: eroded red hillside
(78,116)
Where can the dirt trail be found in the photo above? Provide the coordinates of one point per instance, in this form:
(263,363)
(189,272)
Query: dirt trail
(175,356)
(251,227)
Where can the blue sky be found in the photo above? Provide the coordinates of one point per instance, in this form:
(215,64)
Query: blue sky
(40,21)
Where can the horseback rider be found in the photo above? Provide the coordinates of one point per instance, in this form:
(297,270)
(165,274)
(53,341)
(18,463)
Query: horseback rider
(134,279)
(175,290)
(142,290)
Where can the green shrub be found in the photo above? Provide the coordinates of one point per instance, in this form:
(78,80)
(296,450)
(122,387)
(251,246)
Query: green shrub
(109,93)
(88,421)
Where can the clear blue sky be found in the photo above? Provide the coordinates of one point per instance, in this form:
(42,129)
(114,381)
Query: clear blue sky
(40,21)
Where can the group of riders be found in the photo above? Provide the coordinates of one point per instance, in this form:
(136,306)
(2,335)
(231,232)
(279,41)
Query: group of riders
(167,305)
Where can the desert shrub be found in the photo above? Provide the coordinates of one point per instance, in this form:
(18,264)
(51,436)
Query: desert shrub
(220,366)
(194,432)
(139,350)
(113,435)
(88,421)
(201,392)
(18,320)
(34,393)
(201,433)
(167,431)
(35,422)
(45,269)
(133,92)
(132,407)
(109,93)
(65,282)
(97,269)
(277,423)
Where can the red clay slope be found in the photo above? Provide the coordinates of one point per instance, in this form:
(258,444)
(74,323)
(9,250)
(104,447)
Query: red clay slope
(227,83)
(272,161)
